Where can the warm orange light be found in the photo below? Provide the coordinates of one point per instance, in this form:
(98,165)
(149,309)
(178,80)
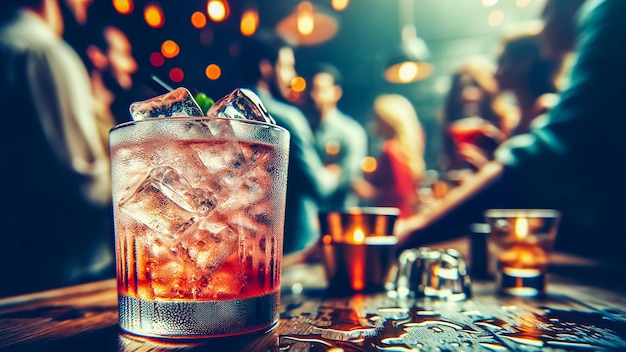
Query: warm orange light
(153,14)
(357,281)
(177,74)
(298,84)
(170,49)
(124,7)
(369,164)
(522,3)
(305,20)
(156,59)
(213,72)
(198,19)
(496,18)
(407,72)
(249,22)
(521,228)
(357,266)
(327,239)
(335,227)
(358,236)
(339,5)
(218,10)
(332,147)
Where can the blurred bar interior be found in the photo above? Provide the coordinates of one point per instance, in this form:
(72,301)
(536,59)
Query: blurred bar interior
(195,43)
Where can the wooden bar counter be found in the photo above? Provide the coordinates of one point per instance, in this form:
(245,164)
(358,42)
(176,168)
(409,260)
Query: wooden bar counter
(585,309)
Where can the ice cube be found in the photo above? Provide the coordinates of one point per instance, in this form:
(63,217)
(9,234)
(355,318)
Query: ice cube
(250,188)
(178,102)
(166,202)
(241,104)
(209,243)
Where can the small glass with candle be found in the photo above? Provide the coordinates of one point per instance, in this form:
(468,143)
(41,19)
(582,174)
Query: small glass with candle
(358,248)
(519,246)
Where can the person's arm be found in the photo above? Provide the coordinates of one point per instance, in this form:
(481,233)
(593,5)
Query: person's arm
(60,89)
(449,217)
(472,154)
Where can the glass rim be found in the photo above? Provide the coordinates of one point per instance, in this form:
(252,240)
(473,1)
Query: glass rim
(527,213)
(196,118)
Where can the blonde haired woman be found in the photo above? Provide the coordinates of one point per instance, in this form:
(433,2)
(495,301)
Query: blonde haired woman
(400,165)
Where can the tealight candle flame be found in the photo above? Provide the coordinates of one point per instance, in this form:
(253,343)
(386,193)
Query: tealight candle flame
(521,228)
(358,236)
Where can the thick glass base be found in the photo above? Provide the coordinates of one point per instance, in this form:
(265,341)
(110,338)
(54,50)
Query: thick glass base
(194,320)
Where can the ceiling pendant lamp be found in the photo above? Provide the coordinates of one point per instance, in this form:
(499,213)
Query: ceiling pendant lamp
(308,25)
(408,63)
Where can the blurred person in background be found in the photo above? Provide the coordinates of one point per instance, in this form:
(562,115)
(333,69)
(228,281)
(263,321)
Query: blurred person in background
(400,164)
(111,68)
(268,66)
(106,51)
(473,99)
(339,138)
(569,161)
(56,228)
(530,77)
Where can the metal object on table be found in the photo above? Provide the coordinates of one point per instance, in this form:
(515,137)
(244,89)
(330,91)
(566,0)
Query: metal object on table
(434,273)
(358,248)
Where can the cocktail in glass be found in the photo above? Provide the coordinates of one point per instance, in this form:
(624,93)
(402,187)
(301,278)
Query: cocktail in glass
(199,211)
(475,131)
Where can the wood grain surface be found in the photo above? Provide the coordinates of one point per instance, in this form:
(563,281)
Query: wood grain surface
(577,314)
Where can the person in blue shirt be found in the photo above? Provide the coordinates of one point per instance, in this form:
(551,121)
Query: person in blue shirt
(339,138)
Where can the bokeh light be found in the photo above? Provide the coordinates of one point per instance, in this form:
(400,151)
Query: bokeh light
(339,5)
(156,59)
(198,20)
(213,72)
(407,71)
(124,7)
(489,3)
(153,14)
(522,3)
(332,148)
(177,75)
(496,18)
(249,22)
(298,84)
(170,49)
(369,164)
(218,10)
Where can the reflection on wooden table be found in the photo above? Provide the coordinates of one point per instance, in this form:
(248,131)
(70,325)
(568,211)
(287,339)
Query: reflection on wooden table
(574,316)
